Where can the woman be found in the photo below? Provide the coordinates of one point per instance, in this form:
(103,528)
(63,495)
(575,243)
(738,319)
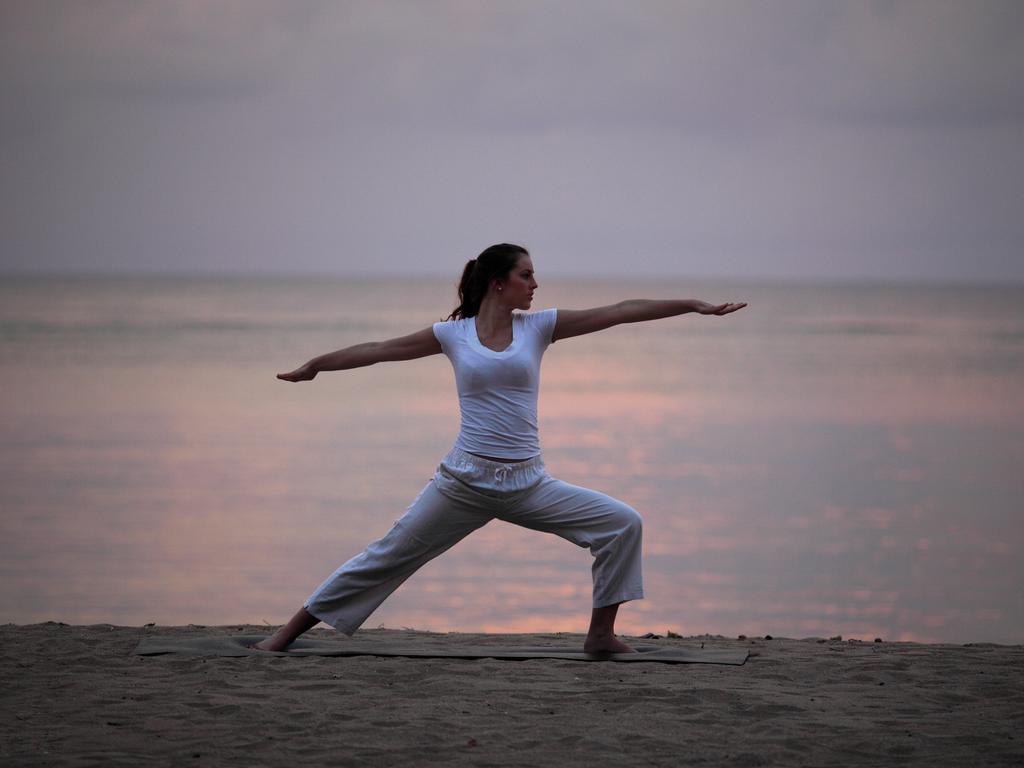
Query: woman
(495,469)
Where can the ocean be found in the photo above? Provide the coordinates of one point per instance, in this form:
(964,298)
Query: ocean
(835,459)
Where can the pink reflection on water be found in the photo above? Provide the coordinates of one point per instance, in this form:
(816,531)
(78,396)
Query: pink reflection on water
(641,408)
(902,474)
(876,517)
(220,494)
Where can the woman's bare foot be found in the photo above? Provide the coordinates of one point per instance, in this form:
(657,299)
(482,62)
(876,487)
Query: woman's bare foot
(601,636)
(302,621)
(611,644)
(269,644)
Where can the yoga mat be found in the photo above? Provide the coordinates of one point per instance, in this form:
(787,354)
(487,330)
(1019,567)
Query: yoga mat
(235,645)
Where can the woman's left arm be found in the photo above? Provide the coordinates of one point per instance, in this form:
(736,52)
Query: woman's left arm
(576,322)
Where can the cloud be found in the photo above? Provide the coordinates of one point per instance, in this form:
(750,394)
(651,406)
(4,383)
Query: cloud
(146,49)
(757,134)
(506,65)
(693,64)
(922,60)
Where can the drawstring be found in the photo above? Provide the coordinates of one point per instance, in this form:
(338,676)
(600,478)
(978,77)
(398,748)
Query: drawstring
(501,473)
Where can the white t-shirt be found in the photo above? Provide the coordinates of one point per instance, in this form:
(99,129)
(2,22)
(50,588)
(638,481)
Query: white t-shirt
(498,390)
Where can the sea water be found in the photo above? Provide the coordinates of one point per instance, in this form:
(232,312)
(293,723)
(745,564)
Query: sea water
(833,459)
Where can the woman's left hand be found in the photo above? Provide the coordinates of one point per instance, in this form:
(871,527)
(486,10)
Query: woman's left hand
(719,309)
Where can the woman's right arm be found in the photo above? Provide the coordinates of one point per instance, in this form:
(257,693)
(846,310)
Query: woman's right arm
(419,344)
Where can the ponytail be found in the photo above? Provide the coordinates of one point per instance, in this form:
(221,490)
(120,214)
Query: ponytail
(495,262)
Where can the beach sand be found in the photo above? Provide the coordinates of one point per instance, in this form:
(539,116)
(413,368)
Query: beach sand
(77,695)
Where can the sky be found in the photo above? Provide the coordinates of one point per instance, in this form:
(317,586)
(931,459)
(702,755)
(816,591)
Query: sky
(761,139)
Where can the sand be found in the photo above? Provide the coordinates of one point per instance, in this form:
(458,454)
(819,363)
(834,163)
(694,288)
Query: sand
(79,696)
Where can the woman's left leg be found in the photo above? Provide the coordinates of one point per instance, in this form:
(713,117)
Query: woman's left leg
(611,529)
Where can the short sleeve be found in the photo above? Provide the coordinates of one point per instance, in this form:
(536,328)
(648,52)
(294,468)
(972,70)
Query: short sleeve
(443,334)
(544,321)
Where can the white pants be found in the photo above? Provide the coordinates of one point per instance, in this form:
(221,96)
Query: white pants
(465,493)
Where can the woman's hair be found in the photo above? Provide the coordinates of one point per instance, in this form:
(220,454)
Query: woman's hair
(495,262)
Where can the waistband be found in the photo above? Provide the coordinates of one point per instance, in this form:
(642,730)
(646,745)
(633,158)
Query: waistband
(492,478)
(457,455)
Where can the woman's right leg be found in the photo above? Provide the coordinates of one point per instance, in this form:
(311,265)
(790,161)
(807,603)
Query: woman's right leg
(433,523)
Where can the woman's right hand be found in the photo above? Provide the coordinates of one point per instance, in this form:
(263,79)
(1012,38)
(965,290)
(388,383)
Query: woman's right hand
(303,373)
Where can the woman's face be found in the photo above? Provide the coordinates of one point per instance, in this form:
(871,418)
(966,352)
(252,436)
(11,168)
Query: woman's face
(517,289)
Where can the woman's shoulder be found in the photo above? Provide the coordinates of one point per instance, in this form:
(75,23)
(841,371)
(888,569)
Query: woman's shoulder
(540,317)
(533,317)
(461,322)
(450,329)
(542,322)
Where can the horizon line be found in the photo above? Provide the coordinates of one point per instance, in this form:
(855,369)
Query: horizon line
(555,274)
